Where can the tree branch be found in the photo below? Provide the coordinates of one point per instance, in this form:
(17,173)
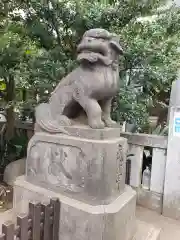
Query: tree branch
(53,21)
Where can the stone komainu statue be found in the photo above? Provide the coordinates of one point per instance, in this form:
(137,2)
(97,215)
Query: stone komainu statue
(90,87)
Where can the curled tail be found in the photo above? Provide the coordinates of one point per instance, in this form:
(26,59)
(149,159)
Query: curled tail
(45,121)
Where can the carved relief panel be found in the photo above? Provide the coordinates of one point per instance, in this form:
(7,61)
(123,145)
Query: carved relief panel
(88,168)
(59,165)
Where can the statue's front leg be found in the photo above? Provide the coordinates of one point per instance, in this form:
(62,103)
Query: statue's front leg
(106,113)
(92,109)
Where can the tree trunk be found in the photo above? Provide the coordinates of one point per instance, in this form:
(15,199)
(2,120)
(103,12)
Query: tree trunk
(10,110)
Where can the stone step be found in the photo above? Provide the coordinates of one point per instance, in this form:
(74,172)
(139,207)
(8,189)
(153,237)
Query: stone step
(146,231)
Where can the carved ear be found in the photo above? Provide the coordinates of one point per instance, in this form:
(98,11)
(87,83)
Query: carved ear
(117,47)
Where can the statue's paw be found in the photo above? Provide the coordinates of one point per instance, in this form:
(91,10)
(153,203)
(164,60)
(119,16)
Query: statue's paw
(95,124)
(64,121)
(110,123)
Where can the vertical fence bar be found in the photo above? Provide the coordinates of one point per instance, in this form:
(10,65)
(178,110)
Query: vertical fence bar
(47,221)
(8,230)
(158,170)
(136,165)
(22,222)
(35,215)
(56,218)
(128,171)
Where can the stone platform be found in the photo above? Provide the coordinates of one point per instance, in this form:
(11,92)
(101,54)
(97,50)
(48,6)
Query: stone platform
(144,231)
(79,220)
(115,221)
(85,169)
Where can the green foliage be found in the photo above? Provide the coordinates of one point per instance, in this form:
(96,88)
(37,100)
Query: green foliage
(38,47)
(38,42)
(130,106)
(152,58)
(158,130)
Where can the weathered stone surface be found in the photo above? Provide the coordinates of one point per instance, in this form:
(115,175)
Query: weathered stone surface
(86,169)
(146,231)
(149,199)
(96,134)
(148,140)
(88,89)
(14,170)
(171,205)
(158,170)
(171,201)
(83,221)
(174,100)
(136,164)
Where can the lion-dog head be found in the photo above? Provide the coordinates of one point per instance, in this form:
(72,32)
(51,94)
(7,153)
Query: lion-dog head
(99,45)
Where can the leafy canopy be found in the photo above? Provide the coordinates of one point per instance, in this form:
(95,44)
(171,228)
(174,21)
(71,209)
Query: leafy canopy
(39,38)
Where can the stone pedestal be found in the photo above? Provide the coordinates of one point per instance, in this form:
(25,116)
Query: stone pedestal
(89,169)
(78,220)
(86,171)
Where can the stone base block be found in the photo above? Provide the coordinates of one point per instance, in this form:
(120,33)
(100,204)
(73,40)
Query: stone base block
(85,169)
(78,220)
